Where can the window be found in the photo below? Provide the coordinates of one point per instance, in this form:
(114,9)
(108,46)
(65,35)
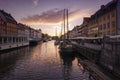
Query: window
(104,26)
(9,39)
(13,39)
(0,40)
(100,20)
(5,39)
(108,17)
(100,34)
(113,32)
(100,27)
(108,33)
(104,18)
(113,14)
(113,24)
(108,25)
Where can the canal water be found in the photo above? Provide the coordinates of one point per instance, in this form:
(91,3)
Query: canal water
(41,62)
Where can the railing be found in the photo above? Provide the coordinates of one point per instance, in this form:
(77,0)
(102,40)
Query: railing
(111,37)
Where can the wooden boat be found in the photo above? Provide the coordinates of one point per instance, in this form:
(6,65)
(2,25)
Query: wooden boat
(66,47)
(56,42)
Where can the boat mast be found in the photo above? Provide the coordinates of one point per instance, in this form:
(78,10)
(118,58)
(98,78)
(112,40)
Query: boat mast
(56,33)
(64,23)
(61,29)
(67,25)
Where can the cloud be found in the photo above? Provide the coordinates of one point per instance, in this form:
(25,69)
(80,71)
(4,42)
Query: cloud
(53,16)
(35,2)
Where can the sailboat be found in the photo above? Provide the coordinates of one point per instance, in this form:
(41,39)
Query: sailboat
(66,46)
(57,41)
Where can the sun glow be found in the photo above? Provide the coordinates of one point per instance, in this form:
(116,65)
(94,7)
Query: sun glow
(49,27)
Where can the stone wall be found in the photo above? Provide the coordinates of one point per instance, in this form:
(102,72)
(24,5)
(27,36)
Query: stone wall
(118,16)
(110,57)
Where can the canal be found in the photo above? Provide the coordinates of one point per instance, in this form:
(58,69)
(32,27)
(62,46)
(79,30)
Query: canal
(41,62)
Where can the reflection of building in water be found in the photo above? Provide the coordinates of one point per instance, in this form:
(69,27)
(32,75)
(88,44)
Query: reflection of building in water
(56,50)
(80,65)
(8,59)
(67,64)
(82,68)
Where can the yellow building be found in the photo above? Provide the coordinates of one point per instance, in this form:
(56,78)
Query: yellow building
(106,20)
(93,26)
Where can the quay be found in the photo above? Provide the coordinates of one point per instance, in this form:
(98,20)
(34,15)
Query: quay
(105,55)
(94,70)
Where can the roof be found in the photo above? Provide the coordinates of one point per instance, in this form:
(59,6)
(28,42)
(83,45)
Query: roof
(105,9)
(7,17)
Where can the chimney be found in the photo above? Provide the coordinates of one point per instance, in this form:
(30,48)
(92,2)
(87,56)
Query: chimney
(102,6)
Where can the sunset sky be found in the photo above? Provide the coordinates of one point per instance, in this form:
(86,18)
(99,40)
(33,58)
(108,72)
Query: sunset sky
(48,14)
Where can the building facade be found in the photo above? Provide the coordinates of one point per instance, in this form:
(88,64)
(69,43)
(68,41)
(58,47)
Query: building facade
(74,32)
(35,35)
(93,26)
(106,20)
(84,27)
(10,36)
(8,27)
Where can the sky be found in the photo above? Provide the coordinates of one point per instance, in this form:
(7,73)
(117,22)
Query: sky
(47,15)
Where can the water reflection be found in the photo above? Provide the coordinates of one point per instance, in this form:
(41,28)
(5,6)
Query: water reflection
(42,62)
(9,58)
(67,64)
(72,69)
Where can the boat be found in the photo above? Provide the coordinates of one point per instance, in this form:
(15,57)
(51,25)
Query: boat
(56,42)
(66,46)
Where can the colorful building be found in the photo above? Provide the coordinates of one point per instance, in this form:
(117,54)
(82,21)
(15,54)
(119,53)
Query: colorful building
(10,35)
(84,27)
(93,26)
(8,28)
(106,21)
(74,32)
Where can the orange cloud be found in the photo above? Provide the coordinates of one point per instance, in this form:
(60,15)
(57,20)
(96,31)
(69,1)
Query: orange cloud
(53,16)
(49,20)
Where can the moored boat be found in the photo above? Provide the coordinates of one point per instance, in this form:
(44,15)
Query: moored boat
(66,47)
